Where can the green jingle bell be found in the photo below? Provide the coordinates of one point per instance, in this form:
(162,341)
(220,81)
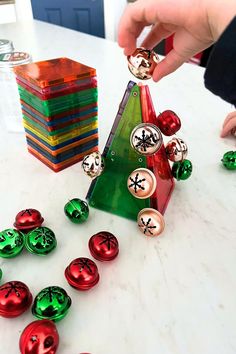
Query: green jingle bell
(77,210)
(11,243)
(40,241)
(51,303)
(229,160)
(182,170)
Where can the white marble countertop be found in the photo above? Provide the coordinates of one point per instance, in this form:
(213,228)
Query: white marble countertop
(174,294)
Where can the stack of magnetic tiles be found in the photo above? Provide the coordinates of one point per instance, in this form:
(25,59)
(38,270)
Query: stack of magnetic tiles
(59,106)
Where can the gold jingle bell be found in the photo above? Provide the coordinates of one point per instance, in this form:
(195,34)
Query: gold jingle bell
(151,222)
(141,183)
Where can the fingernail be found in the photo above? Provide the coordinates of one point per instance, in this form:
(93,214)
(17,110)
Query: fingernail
(156,79)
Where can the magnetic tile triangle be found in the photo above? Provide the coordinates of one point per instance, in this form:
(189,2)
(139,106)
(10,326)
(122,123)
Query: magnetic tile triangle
(109,191)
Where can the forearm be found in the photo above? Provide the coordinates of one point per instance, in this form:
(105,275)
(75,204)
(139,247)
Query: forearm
(220,13)
(220,75)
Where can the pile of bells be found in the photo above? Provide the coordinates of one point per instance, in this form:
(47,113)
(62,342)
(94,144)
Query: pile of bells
(28,233)
(146,139)
(52,303)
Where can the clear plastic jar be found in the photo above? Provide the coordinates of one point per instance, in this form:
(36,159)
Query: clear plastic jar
(6,46)
(10,108)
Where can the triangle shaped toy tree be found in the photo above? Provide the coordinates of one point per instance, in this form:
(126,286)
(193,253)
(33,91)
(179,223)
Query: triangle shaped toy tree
(109,191)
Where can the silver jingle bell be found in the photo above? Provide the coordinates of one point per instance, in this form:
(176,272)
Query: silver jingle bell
(146,139)
(176,150)
(142,63)
(93,164)
(142,183)
(151,222)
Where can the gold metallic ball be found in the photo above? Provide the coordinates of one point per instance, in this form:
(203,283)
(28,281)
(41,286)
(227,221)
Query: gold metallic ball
(151,222)
(142,63)
(142,183)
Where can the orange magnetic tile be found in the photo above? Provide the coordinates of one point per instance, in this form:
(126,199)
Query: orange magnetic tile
(53,72)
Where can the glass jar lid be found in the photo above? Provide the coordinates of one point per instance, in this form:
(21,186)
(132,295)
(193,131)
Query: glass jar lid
(9,60)
(6,46)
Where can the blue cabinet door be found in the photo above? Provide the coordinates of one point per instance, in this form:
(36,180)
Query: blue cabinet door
(81,15)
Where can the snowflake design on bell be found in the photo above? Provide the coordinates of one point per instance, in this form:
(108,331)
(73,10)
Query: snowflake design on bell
(13,287)
(84,263)
(141,183)
(136,182)
(146,139)
(41,241)
(45,236)
(26,211)
(50,293)
(151,222)
(108,239)
(146,226)
(51,303)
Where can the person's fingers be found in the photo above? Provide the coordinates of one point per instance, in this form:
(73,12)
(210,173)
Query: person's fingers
(136,16)
(157,34)
(170,63)
(185,46)
(229,116)
(149,12)
(228,127)
(129,42)
(131,25)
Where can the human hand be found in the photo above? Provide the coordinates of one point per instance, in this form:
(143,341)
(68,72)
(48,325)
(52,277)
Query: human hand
(229,124)
(196,24)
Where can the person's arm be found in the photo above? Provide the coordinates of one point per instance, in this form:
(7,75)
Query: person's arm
(220,75)
(196,24)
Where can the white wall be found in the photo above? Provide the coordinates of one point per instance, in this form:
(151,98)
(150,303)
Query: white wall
(113,10)
(23,10)
(7,13)
(20,11)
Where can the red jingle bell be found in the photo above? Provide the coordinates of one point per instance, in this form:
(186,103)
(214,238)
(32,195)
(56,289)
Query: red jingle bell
(15,298)
(39,337)
(103,246)
(28,219)
(168,122)
(82,274)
